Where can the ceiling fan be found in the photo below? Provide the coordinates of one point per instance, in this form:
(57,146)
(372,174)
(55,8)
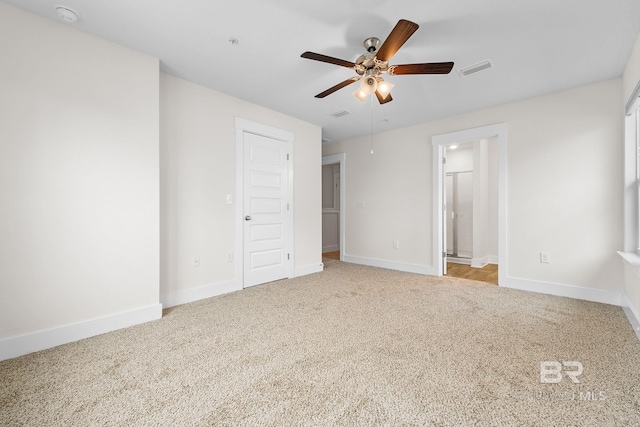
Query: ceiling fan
(371,65)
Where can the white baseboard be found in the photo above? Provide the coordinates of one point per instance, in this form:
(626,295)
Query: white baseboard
(185,296)
(392,265)
(463,261)
(331,248)
(571,291)
(48,338)
(309,269)
(632,314)
(479,262)
(493,259)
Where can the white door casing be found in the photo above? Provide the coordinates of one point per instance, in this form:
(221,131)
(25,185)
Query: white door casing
(264,212)
(446,208)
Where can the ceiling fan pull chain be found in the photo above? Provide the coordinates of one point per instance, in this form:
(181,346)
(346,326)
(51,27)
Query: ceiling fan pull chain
(371,103)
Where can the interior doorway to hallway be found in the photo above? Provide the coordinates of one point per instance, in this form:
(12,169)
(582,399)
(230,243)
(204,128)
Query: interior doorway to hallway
(490,247)
(470,228)
(333,205)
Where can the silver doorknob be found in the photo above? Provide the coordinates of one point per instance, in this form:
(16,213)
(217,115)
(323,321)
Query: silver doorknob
(247,218)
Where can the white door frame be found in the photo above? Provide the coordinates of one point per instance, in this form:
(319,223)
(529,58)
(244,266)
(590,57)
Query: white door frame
(341,159)
(243,125)
(439,142)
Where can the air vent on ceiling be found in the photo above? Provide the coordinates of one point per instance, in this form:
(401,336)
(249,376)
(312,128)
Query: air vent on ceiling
(66,13)
(474,68)
(340,113)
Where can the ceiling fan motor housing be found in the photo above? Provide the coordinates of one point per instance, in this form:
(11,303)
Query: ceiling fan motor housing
(371,44)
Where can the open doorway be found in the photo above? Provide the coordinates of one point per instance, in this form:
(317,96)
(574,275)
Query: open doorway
(471,210)
(469,202)
(333,206)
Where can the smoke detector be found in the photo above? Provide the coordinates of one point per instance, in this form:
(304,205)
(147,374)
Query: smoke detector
(66,13)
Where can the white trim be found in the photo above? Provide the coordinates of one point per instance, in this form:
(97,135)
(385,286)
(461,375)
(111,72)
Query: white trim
(632,314)
(480,262)
(309,269)
(630,201)
(331,248)
(498,130)
(48,338)
(201,292)
(570,291)
(630,257)
(340,158)
(243,125)
(463,261)
(391,265)
(633,99)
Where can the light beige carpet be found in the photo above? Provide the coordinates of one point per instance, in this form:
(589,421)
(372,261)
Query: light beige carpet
(351,346)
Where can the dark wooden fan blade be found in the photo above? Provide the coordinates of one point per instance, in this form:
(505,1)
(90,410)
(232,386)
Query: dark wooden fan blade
(399,35)
(328,59)
(382,100)
(337,87)
(428,68)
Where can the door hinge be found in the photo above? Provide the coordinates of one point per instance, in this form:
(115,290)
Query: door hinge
(444,254)
(287,206)
(287,156)
(444,160)
(288,257)
(444,207)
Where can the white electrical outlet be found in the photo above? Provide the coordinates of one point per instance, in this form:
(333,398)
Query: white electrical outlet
(195,262)
(362,204)
(229,256)
(545,257)
(229,199)
(396,244)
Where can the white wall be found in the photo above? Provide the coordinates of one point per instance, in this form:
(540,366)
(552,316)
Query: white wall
(197,143)
(330,230)
(327,186)
(481,204)
(460,159)
(564,161)
(79,173)
(492,199)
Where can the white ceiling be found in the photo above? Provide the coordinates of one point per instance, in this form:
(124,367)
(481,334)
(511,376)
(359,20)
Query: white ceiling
(537,46)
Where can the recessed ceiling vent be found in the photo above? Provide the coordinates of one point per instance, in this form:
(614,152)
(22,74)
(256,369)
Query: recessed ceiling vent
(66,13)
(475,68)
(340,113)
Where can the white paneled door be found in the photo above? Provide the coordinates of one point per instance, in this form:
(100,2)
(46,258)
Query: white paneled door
(266,205)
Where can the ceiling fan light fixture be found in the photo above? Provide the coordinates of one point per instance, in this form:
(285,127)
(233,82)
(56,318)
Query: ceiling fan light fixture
(360,95)
(384,88)
(368,84)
